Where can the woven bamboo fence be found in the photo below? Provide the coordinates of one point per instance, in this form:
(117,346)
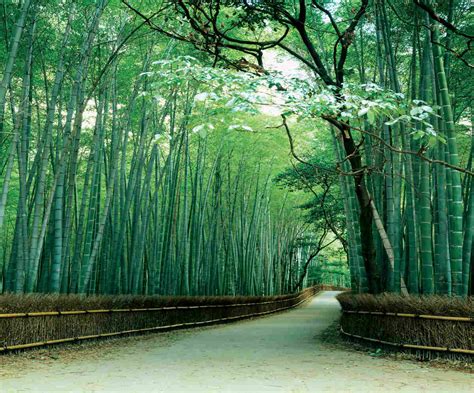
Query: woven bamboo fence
(411,323)
(21,328)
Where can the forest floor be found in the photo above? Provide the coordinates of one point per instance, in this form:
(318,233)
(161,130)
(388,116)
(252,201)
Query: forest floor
(286,352)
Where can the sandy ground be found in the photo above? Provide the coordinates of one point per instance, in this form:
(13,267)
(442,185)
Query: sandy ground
(280,353)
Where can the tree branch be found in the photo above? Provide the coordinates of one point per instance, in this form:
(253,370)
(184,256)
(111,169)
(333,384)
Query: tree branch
(418,154)
(441,20)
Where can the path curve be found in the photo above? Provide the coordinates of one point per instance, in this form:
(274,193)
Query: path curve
(280,353)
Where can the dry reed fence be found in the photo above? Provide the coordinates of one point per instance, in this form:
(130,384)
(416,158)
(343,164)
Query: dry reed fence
(34,320)
(428,325)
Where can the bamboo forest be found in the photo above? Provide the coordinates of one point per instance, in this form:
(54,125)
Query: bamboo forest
(234,149)
(144,152)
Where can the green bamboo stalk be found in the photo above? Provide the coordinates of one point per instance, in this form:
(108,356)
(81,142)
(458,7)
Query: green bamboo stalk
(469,226)
(455,207)
(8,71)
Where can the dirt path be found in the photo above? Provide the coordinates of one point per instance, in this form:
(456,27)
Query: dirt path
(280,353)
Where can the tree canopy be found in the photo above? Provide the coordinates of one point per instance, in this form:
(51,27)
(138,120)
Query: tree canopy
(236,146)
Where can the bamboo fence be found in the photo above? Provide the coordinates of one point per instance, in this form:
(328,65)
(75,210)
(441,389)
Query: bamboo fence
(50,323)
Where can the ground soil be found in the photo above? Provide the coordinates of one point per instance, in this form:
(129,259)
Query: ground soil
(287,352)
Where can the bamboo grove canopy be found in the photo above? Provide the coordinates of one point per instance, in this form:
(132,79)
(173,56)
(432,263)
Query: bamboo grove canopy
(144,146)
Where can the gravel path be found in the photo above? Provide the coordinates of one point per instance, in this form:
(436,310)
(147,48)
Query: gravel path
(280,353)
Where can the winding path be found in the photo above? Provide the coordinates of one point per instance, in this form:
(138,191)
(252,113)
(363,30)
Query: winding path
(280,353)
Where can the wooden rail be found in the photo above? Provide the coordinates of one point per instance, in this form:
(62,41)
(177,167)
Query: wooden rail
(411,346)
(405,315)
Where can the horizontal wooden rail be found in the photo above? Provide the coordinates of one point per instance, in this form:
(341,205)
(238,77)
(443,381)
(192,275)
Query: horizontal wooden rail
(405,315)
(121,310)
(156,328)
(411,346)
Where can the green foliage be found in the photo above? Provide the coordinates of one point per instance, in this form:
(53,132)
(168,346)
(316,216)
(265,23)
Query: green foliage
(132,162)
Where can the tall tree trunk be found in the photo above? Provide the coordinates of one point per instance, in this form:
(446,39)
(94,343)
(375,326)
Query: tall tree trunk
(366,214)
(456,205)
